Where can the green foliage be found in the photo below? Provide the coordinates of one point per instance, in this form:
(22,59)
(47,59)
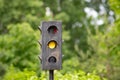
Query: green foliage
(114,5)
(86,46)
(79,75)
(20,11)
(13,74)
(106,47)
(19,75)
(62,16)
(18,46)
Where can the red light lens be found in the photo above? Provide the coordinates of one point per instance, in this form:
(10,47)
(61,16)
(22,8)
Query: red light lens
(52,29)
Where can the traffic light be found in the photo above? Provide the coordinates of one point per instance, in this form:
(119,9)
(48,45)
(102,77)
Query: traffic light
(51,45)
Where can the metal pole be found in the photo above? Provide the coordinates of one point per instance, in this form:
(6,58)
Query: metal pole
(51,74)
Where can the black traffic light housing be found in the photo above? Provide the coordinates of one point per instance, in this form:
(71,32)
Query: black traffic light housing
(51,45)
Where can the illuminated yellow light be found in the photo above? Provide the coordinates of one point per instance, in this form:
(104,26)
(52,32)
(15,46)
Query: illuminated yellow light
(52,44)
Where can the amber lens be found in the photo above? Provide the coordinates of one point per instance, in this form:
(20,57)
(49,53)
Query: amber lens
(52,44)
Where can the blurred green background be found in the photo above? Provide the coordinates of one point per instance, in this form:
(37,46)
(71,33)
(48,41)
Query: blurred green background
(91,34)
